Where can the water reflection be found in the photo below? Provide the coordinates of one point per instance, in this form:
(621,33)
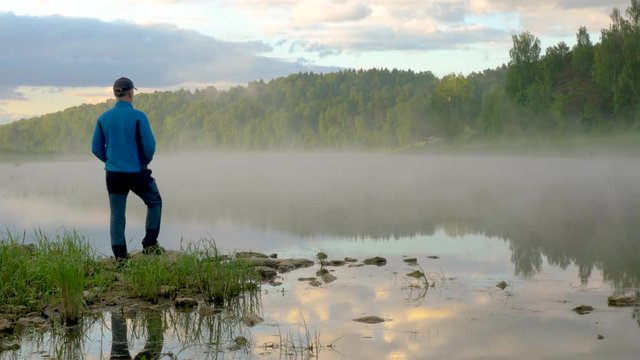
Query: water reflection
(462,314)
(154,336)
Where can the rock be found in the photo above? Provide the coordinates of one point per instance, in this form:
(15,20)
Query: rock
(622,300)
(185,302)
(252,319)
(31,320)
(583,309)
(90,296)
(416,274)
(273,256)
(259,261)
(9,347)
(6,327)
(600,337)
(249,254)
(433,257)
(377,260)
(266,272)
(241,341)
(306,279)
(328,278)
(502,285)
(168,291)
(369,319)
(274,283)
(350,260)
(206,310)
(410,260)
(295,263)
(315,283)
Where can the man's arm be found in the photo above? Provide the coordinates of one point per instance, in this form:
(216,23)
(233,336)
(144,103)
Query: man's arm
(147,139)
(98,146)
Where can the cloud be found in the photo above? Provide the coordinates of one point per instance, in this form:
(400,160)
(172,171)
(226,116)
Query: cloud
(80,52)
(310,13)
(10,92)
(330,27)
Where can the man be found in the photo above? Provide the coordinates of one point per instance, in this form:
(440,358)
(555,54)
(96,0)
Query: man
(123,140)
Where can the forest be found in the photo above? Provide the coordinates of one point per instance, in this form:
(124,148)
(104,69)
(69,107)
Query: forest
(589,88)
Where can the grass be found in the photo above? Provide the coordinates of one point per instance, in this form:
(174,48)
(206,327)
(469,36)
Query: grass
(199,270)
(53,274)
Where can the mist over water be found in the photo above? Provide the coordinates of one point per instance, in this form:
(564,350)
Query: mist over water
(570,209)
(562,231)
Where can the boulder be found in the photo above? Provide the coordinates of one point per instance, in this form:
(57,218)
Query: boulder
(502,285)
(410,260)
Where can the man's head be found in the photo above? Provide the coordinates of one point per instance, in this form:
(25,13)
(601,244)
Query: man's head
(123,87)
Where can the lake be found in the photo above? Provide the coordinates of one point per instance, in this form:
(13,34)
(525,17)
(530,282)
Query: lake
(559,231)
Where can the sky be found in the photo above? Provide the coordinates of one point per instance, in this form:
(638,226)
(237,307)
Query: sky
(62,53)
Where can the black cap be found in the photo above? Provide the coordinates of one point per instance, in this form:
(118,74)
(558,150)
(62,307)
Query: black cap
(123,84)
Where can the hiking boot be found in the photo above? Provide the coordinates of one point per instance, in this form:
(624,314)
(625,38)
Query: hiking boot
(122,262)
(153,250)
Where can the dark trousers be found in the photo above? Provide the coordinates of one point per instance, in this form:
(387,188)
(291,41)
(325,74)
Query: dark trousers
(142,184)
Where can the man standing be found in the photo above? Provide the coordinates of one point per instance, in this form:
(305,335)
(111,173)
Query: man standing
(123,140)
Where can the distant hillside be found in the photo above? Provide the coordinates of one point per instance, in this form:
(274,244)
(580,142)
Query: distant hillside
(588,88)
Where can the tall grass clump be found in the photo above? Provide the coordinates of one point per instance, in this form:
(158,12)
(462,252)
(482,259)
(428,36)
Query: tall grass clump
(65,263)
(16,285)
(217,277)
(145,276)
(51,271)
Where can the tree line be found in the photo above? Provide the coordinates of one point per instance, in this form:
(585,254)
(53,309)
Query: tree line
(587,88)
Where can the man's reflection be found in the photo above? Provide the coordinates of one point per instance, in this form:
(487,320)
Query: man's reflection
(119,343)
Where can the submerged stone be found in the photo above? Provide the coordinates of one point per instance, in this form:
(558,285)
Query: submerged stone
(335,263)
(377,260)
(369,319)
(416,274)
(328,278)
(583,309)
(315,283)
(252,319)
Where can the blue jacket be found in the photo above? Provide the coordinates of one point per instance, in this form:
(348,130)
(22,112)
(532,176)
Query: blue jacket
(123,139)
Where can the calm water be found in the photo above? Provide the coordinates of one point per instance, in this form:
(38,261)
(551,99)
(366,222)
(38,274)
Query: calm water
(561,232)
